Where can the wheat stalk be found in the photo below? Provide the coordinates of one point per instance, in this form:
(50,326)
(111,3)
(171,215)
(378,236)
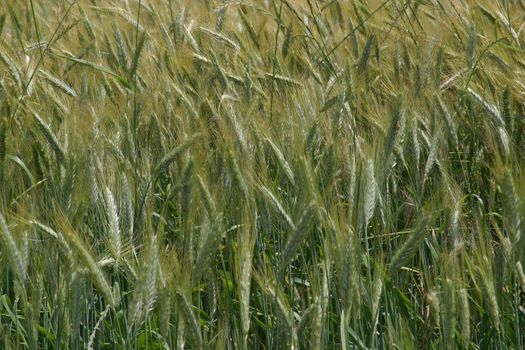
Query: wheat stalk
(11,251)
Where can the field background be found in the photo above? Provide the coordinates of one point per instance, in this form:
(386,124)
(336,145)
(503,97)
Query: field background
(343,174)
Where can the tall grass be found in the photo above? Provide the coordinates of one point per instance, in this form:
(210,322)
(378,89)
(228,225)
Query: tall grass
(262,174)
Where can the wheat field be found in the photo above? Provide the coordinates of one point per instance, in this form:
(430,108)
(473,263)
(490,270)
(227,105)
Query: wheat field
(262,174)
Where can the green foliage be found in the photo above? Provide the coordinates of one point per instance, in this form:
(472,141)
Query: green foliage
(180,174)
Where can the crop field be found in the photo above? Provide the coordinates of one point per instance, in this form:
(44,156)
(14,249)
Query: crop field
(262,174)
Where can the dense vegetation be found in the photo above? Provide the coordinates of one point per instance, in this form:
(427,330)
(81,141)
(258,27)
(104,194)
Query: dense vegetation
(262,174)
